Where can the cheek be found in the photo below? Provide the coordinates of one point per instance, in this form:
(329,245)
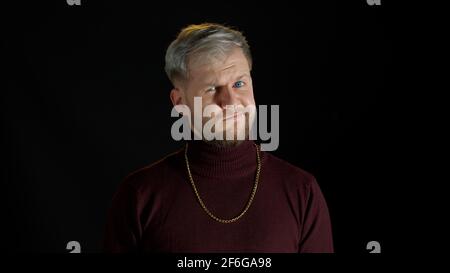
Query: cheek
(247,98)
(190,101)
(208,99)
(190,104)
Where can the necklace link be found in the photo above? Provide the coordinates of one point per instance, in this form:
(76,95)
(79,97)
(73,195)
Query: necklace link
(202,204)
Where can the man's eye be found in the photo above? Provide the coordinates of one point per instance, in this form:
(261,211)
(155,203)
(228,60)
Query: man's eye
(211,89)
(238,84)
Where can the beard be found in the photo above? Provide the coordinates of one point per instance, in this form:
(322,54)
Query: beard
(234,141)
(225,128)
(223,143)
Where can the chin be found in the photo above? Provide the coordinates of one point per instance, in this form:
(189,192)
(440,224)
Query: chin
(226,142)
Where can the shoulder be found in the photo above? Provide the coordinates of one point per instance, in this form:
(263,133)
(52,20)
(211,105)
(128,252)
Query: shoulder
(288,173)
(296,183)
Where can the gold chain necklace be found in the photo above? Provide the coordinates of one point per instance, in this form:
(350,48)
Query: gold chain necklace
(225,221)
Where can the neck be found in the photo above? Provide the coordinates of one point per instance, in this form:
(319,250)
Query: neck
(218,160)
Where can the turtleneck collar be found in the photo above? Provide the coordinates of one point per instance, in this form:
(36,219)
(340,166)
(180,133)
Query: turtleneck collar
(224,162)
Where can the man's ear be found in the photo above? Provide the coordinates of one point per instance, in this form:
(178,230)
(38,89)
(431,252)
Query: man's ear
(176,96)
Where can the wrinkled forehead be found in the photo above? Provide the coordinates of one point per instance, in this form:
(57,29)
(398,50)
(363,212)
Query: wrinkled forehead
(213,68)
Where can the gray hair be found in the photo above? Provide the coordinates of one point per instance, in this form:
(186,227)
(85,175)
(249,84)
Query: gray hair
(212,40)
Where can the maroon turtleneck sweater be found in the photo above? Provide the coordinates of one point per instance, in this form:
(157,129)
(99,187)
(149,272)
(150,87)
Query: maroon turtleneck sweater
(155,209)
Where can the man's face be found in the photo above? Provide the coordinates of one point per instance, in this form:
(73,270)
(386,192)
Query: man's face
(223,83)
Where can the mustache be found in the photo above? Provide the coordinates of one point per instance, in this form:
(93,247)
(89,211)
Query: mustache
(223,115)
(228,112)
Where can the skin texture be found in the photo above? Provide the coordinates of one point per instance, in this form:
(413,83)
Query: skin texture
(224,82)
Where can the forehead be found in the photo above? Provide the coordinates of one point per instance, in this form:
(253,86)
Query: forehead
(209,69)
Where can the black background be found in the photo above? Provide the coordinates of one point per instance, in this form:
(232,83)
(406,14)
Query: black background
(87,101)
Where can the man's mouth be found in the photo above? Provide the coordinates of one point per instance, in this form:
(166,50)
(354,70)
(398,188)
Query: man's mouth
(233,116)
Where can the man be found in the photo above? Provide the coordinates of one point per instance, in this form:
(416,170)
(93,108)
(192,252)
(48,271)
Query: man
(222,194)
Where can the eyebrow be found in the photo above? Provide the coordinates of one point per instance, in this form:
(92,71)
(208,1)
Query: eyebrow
(213,83)
(243,76)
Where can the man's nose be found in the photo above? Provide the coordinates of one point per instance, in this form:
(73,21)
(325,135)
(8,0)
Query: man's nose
(226,96)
